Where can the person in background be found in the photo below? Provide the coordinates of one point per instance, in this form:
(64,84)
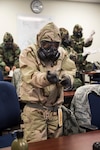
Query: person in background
(78,43)
(66,44)
(9,54)
(45,70)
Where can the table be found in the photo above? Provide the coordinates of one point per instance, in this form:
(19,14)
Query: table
(94,76)
(7,78)
(92,72)
(68,95)
(82,141)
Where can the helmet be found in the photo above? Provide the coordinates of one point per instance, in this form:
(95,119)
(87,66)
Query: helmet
(7,37)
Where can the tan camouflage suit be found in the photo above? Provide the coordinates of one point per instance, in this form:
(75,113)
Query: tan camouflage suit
(9,57)
(42,98)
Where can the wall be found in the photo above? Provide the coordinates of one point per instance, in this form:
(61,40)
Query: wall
(63,13)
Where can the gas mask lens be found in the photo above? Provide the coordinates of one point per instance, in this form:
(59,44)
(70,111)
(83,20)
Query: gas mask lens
(48,45)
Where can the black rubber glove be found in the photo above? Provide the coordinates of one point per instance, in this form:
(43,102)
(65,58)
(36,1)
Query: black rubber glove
(52,77)
(66,82)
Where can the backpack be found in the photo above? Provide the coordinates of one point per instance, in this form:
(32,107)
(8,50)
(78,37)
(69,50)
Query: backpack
(70,124)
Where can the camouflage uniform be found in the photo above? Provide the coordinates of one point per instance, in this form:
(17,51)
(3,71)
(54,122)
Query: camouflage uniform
(40,114)
(64,32)
(72,55)
(16,79)
(80,105)
(9,57)
(78,44)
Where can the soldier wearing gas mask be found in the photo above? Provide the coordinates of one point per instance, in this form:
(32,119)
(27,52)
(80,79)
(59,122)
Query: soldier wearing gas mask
(66,44)
(45,71)
(9,54)
(78,43)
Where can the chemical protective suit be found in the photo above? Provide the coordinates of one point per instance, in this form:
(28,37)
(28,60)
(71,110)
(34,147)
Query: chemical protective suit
(45,71)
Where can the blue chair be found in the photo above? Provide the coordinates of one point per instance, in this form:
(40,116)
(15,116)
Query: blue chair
(9,113)
(94,102)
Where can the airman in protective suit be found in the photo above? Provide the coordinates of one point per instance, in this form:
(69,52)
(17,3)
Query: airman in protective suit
(9,54)
(45,70)
(78,43)
(66,44)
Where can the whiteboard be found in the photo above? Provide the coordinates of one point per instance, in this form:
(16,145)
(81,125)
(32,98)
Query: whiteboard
(28,28)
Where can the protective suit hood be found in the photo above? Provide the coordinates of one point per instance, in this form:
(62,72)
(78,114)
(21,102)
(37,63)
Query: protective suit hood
(49,32)
(63,32)
(8,37)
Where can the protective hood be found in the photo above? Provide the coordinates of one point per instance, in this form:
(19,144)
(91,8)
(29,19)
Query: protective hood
(7,37)
(49,32)
(63,32)
(77,28)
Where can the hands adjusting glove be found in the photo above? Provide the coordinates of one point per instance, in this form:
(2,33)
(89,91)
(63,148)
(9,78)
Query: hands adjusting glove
(52,77)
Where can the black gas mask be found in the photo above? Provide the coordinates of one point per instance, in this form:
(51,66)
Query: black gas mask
(8,45)
(78,34)
(66,41)
(8,41)
(48,51)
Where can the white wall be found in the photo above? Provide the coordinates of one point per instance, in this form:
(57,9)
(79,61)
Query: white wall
(63,13)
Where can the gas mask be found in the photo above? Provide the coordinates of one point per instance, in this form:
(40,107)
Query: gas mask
(8,41)
(8,45)
(48,51)
(66,41)
(78,34)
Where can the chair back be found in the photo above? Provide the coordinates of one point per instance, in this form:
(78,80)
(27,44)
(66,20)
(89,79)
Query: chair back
(94,102)
(9,106)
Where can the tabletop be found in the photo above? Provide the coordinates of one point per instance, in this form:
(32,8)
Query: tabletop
(92,72)
(7,78)
(69,93)
(82,141)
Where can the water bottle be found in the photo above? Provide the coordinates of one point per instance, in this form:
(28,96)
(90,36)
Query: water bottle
(19,143)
